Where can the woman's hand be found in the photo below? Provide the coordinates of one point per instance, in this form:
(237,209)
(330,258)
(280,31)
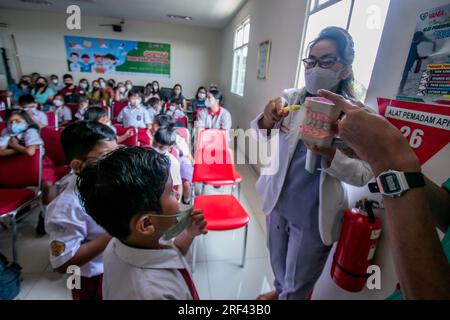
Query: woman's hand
(326,153)
(272,114)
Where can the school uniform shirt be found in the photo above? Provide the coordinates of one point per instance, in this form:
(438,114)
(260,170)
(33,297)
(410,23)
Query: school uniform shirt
(175,170)
(80,113)
(153,113)
(40,116)
(143,274)
(63,113)
(42,97)
(134,117)
(219,120)
(69,226)
(28,138)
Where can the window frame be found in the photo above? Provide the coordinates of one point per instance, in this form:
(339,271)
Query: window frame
(238,76)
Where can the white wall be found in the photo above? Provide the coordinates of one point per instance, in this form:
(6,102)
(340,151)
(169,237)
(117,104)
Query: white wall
(40,43)
(282,22)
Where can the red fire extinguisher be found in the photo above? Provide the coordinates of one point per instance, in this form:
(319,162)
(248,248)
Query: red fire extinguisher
(355,251)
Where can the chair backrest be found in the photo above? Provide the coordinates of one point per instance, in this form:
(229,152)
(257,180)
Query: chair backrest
(2,126)
(108,110)
(181,122)
(131,141)
(21,170)
(143,138)
(117,107)
(52,119)
(53,147)
(184,132)
(212,164)
(175,152)
(215,137)
(73,108)
(6,101)
(3,114)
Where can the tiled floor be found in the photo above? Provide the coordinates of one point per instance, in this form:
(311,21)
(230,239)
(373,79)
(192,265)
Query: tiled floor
(217,272)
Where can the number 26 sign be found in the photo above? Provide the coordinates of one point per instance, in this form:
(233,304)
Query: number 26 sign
(425,126)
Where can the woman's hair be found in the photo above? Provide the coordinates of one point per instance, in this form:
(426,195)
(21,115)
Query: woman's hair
(346,50)
(165,136)
(94,114)
(24,115)
(165,120)
(198,91)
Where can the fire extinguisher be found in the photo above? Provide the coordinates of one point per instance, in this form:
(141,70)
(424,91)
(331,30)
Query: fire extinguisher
(355,251)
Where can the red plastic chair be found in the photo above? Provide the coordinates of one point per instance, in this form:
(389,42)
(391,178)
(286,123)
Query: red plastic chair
(143,138)
(117,107)
(54,150)
(20,184)
(182,121)
(215,137)
(73,109)
(184,132)
(108,111)
(2,126)
(6,101)
(222,212)
(52,119)
(131,141)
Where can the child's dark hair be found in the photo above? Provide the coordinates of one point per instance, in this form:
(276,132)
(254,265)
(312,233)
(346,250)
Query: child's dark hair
(25,116)
(126,183)
(346,49)
(74,54)
(26,99)
(85,56)
(165,120)
(153,101)
(134,93)
(165,136)
(94,114)
(67,76)
(79,138)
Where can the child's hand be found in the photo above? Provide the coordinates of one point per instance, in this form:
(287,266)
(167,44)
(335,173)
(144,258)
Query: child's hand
(129,133)
(13,142)
(197,224)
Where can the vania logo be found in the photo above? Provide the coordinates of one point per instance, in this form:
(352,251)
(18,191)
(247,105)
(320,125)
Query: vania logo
(424,16)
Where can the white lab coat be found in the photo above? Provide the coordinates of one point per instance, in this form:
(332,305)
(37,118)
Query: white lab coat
(332,194)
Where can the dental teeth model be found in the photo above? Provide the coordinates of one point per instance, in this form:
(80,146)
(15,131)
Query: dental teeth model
(316,129)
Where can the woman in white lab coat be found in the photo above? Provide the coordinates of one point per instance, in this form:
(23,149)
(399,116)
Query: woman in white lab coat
(304,211)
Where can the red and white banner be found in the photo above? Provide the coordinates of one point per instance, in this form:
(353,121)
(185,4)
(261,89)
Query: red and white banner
(426,126)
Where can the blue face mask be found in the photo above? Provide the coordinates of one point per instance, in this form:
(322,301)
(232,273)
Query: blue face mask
(18,128)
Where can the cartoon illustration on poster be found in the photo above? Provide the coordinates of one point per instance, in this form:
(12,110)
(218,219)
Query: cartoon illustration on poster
(108,56)
(427,72)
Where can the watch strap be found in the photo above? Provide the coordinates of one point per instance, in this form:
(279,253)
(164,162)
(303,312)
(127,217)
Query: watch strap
(414,179)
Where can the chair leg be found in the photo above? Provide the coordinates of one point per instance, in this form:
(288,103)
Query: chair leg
(14,238)
(244,253)
(239,191)
(203,189)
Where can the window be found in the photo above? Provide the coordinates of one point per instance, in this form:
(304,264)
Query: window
(240,49)
(364,19)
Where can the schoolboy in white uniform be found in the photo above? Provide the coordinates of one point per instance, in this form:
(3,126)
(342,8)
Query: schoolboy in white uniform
(214,116)
(135,115)
(130,194)
(75,238)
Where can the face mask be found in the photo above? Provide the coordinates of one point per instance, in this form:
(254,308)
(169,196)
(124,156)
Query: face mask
(319,78)
(177,92)
(18,128)
(55,81)
(136,102)
(209,103)
(161,151)
(129,86)
(39,85)
(102,84)
(155,88)
(172,108)
(122,89)
(182,223)
(202,96)
(83,85)
(68,84)
(58,103)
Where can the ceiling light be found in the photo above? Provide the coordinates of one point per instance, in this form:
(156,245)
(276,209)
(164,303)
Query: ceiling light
(175,16)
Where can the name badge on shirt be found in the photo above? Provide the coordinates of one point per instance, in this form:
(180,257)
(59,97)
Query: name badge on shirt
(138,118)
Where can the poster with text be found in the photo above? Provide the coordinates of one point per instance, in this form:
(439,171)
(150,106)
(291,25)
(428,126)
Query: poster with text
(108,56)
(427,71)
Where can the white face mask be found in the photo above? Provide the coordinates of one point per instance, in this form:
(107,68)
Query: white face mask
(319,78)
(136,102)
(161,151)
(83,85)
(209,103)
(58,103)
(177,92)
(122,89)
(103,84)
(55,81)
(202,96)
(172,108)
(129,86)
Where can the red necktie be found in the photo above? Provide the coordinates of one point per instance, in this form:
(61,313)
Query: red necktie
(190,283)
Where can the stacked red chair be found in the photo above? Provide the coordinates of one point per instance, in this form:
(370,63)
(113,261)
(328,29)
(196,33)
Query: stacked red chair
(20,184)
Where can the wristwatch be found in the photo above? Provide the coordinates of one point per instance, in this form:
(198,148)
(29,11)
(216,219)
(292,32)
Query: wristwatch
(394,183)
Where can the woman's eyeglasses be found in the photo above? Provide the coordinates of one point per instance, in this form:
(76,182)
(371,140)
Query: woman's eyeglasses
(325,63)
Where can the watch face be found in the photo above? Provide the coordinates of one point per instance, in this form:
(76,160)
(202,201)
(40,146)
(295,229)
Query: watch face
(390,183)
